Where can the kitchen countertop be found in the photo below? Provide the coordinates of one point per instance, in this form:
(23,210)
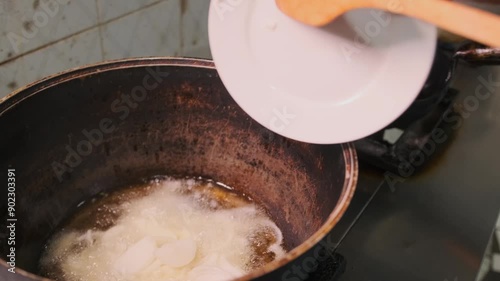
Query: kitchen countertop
(435,225)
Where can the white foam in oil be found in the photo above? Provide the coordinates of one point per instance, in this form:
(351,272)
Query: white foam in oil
(181,230)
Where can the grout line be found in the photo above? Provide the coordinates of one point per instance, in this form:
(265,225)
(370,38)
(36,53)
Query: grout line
(182,7)
(99,24)
(46,45)
(101,44)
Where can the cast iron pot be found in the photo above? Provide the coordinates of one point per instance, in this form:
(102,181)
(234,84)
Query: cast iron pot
(77,134)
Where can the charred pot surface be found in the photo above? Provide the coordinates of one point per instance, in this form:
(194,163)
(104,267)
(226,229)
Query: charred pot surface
(92,130)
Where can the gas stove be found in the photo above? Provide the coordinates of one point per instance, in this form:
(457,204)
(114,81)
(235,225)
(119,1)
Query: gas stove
(419,130)
(428,193)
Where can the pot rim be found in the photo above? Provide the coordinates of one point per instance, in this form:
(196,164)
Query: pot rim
(349,152)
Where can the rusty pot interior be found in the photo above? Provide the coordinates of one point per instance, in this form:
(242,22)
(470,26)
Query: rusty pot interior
(178,120)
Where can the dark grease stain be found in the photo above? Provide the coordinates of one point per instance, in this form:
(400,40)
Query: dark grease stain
(183,6)
(28,25)
(12,85)
(36,4)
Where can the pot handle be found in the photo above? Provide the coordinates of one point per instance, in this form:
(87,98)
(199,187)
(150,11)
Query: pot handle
(475,53)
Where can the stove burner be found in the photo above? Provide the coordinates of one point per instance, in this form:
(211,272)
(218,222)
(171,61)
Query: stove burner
(329,270)
(415,127)
(392,148)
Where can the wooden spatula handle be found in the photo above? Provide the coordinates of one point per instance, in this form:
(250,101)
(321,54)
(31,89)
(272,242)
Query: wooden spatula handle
(460,19)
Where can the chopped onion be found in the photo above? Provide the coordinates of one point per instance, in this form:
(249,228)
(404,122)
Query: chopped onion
(177,254)
(137,257)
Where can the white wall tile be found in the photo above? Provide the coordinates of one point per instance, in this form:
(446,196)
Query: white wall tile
(78,50)
(198,52)
(164,28)
(110,9)
(495,266)
(154,31)
(35,23)
(194,19)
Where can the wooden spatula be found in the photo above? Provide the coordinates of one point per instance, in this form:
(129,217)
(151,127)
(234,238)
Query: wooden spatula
(472,23)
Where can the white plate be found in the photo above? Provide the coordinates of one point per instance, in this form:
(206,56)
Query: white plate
(320,85)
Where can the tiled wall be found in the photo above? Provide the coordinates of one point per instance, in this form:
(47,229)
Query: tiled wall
(43,37)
